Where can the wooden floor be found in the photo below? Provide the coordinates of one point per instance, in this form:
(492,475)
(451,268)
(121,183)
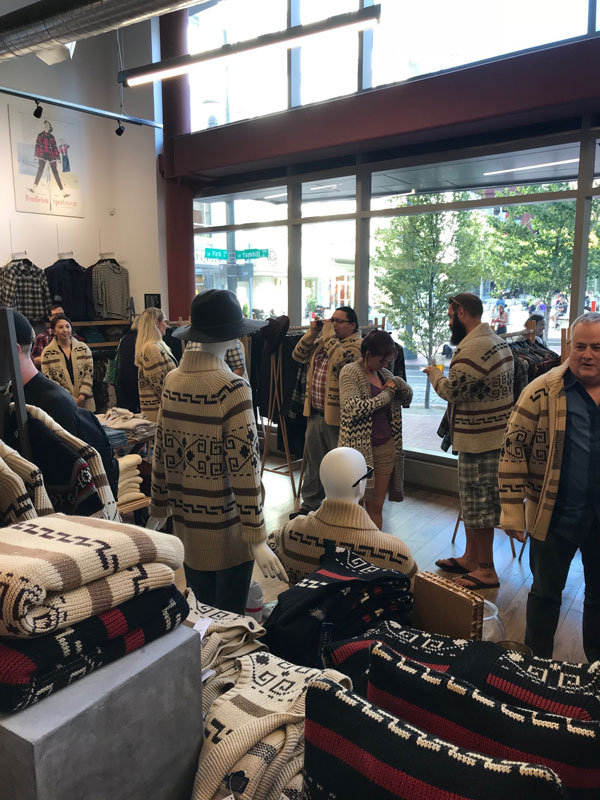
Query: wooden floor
(425,521)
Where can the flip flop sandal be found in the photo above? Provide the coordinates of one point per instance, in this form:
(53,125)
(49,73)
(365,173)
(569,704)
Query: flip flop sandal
(477,584)
(452,565)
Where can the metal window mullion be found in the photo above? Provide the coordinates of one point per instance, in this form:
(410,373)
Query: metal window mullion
(294,59)
(295,293)
(365,54)
(583,209)
(361,264)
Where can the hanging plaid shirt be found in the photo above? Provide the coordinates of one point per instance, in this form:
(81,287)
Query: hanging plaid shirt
(318,383)
(24,287)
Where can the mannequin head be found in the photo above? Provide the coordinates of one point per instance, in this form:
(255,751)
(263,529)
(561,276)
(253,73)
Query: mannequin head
(339,470)
(217,348)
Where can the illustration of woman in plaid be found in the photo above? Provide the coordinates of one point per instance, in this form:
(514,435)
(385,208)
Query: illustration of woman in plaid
(46,152)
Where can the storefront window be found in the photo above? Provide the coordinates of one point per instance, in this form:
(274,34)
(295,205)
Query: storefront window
(329,196)
(251,263)
(327,268)
(420,38)
(262,205)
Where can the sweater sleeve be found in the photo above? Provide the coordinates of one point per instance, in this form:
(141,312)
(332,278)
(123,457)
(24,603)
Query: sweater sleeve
(513,471)
(339,351)
(461,383)
(352,404)
(159,502)
(404,392)
(305,347)
(85,370)
(242,460)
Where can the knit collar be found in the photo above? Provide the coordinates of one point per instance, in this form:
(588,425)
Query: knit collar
(343,514)
(200,361)
(483,329)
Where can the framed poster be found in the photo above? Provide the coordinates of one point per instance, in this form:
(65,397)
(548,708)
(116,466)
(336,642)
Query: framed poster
(47,162)
(151,301)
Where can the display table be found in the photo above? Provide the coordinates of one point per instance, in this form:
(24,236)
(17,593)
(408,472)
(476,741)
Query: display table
(130,731)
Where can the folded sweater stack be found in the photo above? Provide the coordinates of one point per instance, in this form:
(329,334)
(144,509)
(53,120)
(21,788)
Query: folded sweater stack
(79,593)
(254,733)
(130,479)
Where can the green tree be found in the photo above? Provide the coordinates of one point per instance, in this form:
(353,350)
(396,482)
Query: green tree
(422,260)
(530,247)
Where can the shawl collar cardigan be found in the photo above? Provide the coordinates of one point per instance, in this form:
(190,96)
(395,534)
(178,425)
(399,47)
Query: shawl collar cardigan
(206,466)
(54,367)
(479,388)
(300,543)
(339,353)
(531,456)
(356,425)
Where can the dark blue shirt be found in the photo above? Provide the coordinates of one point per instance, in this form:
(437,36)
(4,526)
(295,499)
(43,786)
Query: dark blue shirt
(578,499)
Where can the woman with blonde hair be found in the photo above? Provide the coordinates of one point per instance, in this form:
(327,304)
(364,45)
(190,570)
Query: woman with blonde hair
(154,360)
(371,400)
(69,362)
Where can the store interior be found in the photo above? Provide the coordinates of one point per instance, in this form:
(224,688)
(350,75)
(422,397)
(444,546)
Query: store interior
(287,180)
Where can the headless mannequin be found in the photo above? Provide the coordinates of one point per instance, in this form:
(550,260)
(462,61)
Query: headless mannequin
(339,469)
(269,564)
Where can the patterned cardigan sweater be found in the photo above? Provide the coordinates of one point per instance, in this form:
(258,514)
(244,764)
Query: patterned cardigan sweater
(531,455)
(356,423)
(156,363)
(206,466)
(54,367)
(339,353)
(479,388)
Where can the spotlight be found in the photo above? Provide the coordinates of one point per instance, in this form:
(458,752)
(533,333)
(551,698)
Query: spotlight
(120,130)
(38,110)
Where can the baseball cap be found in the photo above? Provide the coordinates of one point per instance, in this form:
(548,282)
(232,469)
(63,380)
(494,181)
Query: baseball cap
(23,329)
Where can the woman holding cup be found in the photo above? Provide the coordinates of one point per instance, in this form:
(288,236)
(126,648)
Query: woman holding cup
(371,400)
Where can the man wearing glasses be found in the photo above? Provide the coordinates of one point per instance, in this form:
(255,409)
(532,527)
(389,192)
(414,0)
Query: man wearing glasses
(479,391)
(326,347)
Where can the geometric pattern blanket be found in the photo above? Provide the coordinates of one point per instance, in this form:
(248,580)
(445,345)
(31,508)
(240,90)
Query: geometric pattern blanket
(355,749)
(58,570)
(254,733)
(555,687)
(460,714)
(31,669)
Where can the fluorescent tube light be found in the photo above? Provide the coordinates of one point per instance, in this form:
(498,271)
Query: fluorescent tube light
(534,166)
(273,196)
(291,37)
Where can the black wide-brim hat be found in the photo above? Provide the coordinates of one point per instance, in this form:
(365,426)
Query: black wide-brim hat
(216,316)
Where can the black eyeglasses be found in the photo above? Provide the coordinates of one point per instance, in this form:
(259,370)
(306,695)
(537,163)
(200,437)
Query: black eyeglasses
(367,475)
(339,320)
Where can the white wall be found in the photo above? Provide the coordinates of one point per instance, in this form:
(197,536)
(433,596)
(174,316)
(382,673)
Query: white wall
(120,190)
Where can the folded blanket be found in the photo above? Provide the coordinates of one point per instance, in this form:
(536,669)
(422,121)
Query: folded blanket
(130,496)
(34,668)
(58,570)
(133,480)
(129,462)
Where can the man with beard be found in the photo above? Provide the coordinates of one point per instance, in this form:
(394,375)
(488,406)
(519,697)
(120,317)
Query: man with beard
(479,391)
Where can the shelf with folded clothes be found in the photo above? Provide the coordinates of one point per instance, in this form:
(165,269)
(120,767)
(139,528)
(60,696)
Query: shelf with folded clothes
(133,505)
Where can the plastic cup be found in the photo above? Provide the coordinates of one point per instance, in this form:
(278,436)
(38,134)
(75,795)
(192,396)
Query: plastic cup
(438,362)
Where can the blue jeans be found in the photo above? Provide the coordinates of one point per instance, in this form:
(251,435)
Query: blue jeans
(550,561)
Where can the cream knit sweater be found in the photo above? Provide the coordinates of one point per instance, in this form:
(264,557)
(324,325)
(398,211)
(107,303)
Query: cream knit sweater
(479,389)
(300,543)
(157,362)
(206,467)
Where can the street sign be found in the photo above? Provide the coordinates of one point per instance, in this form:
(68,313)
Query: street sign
(214,253)
(254,253)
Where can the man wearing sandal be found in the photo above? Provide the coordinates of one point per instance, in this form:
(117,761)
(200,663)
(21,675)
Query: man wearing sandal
(479,391)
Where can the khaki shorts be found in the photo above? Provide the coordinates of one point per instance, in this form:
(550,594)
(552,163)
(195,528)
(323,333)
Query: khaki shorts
(384,459)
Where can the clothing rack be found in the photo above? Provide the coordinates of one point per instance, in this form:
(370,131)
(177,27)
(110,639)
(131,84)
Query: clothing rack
(275,402)
(10,373)
(528,332)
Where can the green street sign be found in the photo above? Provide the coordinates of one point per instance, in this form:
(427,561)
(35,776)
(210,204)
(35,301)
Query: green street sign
(248,254)
(214,253)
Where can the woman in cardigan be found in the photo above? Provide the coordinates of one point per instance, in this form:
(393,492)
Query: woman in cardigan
(371,401)
(154,360)
(69,362)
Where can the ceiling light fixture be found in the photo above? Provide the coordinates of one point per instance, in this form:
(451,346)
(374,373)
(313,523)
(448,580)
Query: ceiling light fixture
(291,37)
(534,166)
(97,112)
(273,196)
(38,110)
(324,187)
(121,129)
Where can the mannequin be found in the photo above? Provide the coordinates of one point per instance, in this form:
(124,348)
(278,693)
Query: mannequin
(206,465)
(268,563)
(299,543)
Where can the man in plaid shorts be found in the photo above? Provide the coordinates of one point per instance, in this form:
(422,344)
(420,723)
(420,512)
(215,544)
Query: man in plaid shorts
(479,391)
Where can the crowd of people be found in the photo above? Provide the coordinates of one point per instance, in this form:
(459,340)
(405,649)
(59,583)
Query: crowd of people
(528,467)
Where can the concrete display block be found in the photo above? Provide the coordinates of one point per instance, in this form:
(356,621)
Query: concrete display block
(131,731)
